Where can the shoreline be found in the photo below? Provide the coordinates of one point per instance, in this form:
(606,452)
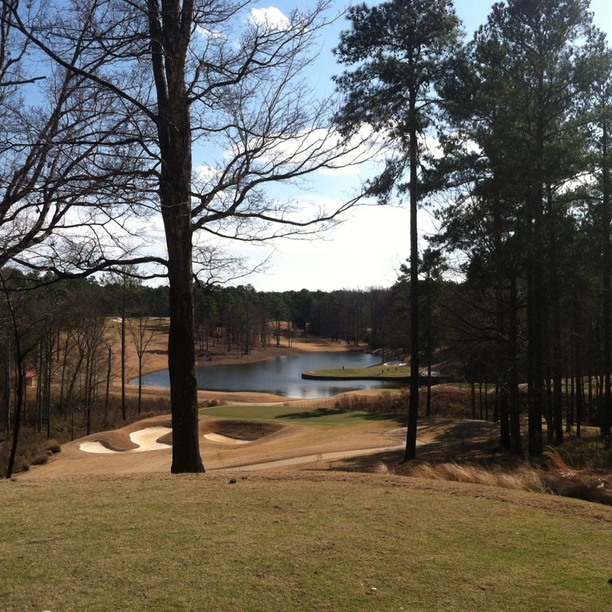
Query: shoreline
(220,357)
(157,359)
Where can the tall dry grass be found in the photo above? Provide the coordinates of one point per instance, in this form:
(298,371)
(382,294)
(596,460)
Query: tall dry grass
(525,478)
(555,477)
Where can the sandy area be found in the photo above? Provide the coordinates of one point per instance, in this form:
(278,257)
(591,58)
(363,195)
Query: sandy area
(224,444)
(144,440)
(227,444)
(215,437)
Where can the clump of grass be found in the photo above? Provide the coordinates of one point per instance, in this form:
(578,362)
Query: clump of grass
(151,407)
(586,451)
(213,403)
(554,457)
(522,479)
(244,429)
(451,401)
(381,468)
(383,403)
(580,486)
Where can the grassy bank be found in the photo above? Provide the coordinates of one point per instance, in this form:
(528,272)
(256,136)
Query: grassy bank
(297,543)
(373,372)
(302,414)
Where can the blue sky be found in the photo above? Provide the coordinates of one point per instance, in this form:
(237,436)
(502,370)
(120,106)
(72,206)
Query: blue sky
(367,249)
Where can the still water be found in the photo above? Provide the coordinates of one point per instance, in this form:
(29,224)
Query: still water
(281,375)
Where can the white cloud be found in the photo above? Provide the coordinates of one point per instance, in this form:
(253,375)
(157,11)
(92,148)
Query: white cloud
(208,33)
(205,173)
(269,18)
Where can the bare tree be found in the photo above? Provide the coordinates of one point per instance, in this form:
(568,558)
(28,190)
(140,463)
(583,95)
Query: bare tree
(25,315)
(227,78)
(63,147)
(142,329)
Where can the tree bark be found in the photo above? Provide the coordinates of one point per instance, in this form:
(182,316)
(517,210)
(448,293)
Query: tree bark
(413,406)
(176,212)
(181,347)
(536,301)
(170,34)
(605,416)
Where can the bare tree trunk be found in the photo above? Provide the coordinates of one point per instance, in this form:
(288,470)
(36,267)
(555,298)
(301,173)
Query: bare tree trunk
(516,445)
(39,388)
(19,381)
(123,409)
(181,345)
(428,404)
(536,308)
(108,379)
(88,390)
(139,382)
(169,44)
(577,354)
(48,378)
(19,402)
(7,386)
(556,413)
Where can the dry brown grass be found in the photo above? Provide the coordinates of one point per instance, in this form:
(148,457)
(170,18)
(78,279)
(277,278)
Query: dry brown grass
(586,483)
(467,451)
(523,478)
(553,477)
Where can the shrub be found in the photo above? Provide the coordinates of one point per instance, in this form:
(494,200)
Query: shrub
(31,450)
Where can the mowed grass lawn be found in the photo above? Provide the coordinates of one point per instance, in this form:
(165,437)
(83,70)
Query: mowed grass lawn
(305,415)
(297,541)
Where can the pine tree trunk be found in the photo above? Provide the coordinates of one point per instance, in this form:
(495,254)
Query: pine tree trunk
(413,406)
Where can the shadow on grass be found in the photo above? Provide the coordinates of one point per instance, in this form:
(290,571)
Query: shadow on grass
(348,414)
(369,463)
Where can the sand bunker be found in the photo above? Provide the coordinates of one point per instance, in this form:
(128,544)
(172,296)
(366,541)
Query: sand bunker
(146,439)
(215,437)
(228,432)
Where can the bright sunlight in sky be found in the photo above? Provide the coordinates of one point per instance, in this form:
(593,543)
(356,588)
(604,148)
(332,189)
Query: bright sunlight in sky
(367,249)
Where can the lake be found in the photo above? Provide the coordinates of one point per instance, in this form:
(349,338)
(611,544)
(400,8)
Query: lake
(280,375)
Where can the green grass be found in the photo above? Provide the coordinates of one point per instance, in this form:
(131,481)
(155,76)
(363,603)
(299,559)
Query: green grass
(293,414)
(324,542)
(369,372)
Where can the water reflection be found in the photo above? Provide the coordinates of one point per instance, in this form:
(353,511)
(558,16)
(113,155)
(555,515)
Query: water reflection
(281,375)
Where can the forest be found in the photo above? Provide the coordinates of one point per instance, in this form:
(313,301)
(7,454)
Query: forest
(71,335)
(505,138)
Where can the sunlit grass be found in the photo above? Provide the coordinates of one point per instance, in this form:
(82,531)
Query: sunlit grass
(320,543)
(291,414)
(382,371)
